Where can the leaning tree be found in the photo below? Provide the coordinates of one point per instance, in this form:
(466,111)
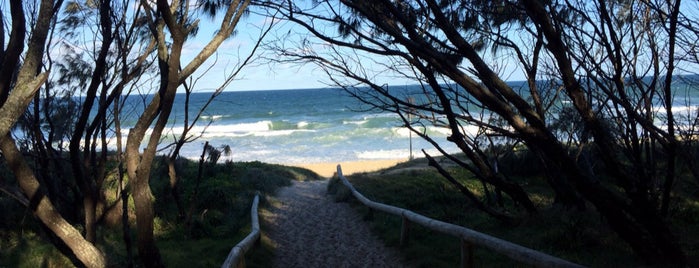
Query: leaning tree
(600,80)
(22,76)
(67,69)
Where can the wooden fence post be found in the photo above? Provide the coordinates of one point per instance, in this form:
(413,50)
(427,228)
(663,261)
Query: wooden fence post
(404,230)
(466,254)
(369,214)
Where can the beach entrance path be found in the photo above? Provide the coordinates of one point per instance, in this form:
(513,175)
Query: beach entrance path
(308,229)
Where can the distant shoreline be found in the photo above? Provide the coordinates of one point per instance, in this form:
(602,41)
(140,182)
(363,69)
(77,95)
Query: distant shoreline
(328,169)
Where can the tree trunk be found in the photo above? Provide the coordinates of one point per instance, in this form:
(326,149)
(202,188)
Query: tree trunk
(636,222)
(143,201)
(140,189)
(28,81)
(644,231)
(123,193)
(171,76)
(42,208)
(139,165)
(193,197)
(174,186)
(83,171)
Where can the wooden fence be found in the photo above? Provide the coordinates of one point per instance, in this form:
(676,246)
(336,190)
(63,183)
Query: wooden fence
(469,238)
(237,254)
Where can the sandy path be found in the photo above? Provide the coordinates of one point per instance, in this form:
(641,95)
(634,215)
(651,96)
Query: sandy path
(308,229)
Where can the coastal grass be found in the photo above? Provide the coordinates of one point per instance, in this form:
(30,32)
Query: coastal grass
(224,212)
(220,218)
(578,236)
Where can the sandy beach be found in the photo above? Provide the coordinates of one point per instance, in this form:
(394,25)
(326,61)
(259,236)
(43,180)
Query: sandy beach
(328,169)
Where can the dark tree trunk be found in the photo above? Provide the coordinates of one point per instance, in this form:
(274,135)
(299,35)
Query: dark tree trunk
(174,186)
(637,221)
(43,209)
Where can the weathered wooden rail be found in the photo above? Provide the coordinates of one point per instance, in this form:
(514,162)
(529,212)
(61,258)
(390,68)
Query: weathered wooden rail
(469,238)
(237,254)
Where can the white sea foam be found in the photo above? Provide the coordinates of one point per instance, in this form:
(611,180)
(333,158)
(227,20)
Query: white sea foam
(279,132)
(441,130)
(234,130)
(692,109)
(402,131)
(401,153)
(383,115)
(383,154)
(264,125)
(211,117)
(356,122)
(264,128)
(432,131)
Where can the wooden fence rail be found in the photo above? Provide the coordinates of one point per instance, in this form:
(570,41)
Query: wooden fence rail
(469,238)
(237,254)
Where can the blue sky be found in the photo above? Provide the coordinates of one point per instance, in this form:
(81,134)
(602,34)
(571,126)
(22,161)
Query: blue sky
(261,74)
(266,75)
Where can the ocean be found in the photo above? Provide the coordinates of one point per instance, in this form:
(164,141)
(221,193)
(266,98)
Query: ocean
(304,126)
(296,127)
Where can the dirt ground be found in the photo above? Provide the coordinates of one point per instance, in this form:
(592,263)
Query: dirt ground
(308,229)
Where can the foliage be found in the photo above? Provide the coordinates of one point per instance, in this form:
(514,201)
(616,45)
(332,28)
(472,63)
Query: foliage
(601,79)
(68,76)
(222,217)
(578,236)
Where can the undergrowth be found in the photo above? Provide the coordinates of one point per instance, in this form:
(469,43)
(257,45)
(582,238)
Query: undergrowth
(220,218)
(578,236)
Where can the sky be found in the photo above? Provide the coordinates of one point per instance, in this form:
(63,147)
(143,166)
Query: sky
(266,75)
(262,74)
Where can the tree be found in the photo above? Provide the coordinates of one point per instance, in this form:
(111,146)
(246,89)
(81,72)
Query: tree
(180,139)
(175,17)
(612,62)
(107,49)
(20,82)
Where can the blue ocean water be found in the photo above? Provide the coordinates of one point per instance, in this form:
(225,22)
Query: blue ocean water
(326,125)
(297,126)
